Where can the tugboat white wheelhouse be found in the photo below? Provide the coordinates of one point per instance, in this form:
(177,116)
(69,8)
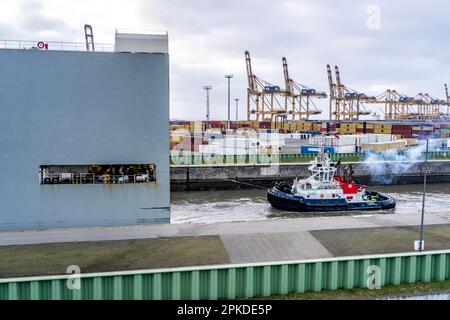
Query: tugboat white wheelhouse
(324,191)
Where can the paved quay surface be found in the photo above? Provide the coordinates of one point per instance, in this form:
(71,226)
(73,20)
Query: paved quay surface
(222,228)
(246,242)
(268,247)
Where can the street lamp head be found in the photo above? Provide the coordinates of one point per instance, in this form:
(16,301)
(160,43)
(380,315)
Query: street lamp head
(207,87)
(229,76)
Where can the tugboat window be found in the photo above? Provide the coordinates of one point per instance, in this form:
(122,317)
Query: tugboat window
(97,174)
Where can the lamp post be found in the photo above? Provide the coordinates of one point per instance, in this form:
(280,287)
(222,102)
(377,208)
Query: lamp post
(229,77)
(237,109)
(207,89)
(423,199)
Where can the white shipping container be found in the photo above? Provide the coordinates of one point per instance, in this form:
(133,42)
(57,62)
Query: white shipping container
(345,149)
(209,149)
(238,151)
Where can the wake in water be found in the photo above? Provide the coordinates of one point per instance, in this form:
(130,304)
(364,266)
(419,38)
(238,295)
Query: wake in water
(249,205)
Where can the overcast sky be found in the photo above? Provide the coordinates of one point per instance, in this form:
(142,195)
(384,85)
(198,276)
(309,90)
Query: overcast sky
(406,49)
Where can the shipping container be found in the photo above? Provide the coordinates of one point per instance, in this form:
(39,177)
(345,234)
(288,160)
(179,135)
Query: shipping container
(265,125)
(366,125)
(409,136)
(382,131)
(384,127)
(345,149)
(424,132)
(367,131)
(315,149)
(422,128)
(384,146)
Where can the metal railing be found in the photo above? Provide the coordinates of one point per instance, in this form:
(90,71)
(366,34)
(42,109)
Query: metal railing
(90,178)
(53,45)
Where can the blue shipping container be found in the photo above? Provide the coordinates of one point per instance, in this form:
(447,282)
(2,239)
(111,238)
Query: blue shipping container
(315,149)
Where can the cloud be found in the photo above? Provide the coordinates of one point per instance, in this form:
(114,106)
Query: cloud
(37,22)
(208,40)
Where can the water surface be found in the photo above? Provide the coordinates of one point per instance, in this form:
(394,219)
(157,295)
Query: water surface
(248,205)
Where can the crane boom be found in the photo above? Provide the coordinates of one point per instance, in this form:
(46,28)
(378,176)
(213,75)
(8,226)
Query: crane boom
(287,80)
(251,82)
(330,80)
(446,93)
(338,81)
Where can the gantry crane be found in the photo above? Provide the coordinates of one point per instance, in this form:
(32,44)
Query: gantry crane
(397,106)
(264,100)
(346,103)
(299,99)
(429,107)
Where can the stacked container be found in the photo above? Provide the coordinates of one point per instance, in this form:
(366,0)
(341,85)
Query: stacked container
(365,128)
(383,128)
(348,128)
(423,130)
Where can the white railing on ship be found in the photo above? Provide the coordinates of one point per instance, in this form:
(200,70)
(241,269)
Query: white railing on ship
(53,45)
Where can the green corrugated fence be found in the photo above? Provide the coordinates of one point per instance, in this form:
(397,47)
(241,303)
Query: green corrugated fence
(235,281)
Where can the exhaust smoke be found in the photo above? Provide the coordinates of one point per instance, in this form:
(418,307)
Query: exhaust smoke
(385,166)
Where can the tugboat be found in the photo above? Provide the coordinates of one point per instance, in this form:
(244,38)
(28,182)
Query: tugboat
(323,191)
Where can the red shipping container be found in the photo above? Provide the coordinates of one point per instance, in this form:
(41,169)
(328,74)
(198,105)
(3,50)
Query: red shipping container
(367,131)
(401,126)
(401,129)
(215,124)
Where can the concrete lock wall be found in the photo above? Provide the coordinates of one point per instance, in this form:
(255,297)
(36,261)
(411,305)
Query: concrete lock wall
(236,281)
(81,108)
(197,177)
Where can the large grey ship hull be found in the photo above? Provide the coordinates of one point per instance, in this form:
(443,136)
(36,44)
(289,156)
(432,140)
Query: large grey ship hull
(82,108)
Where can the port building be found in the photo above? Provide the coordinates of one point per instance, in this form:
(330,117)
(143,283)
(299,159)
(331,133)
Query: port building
(84,134)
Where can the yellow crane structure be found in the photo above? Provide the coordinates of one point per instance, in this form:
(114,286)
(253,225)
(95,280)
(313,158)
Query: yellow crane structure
(399,106)
(346,103)
(264,100)
(299,99)
(429,107)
